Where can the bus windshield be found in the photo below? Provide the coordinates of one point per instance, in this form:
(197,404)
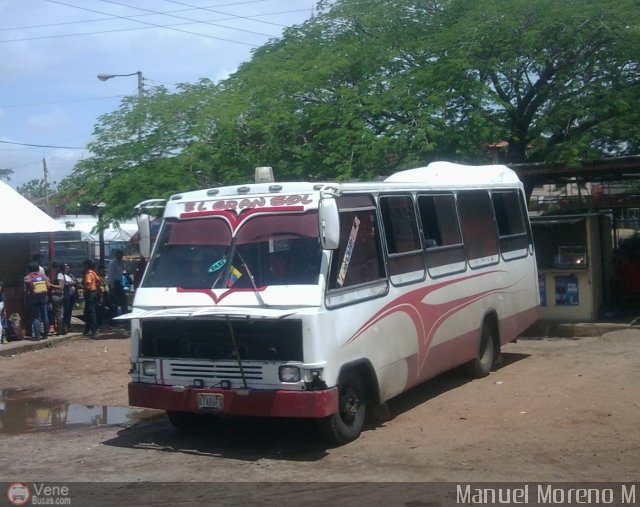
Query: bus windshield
(278,249)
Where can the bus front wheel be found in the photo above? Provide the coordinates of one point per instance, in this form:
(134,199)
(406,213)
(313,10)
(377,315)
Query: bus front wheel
(482,364)
(346,424)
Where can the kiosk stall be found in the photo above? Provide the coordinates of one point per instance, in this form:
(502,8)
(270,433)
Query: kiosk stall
(574,265)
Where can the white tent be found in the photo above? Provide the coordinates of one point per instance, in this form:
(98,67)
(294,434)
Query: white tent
(21,223)
(20,216)
(87,223)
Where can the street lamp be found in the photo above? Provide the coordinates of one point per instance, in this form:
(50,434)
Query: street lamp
(104,77)
(100,206)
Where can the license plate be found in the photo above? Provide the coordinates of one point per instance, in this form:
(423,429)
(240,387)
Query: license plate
(210,401)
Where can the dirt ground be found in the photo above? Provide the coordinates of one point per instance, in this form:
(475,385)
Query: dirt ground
(554,410)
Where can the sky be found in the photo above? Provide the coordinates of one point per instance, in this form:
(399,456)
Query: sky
(51,52)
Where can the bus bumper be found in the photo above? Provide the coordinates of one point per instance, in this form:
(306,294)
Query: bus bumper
(250,402)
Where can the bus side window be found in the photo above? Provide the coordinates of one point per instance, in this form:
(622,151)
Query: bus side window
(358,259)
(508,207)
(478,228)
(403,241)
(441,231)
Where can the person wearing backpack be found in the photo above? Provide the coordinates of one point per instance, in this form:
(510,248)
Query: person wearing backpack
(36,290)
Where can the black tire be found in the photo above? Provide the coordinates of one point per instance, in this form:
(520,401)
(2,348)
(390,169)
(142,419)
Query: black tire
(346,425)
(483,363)
(188,421)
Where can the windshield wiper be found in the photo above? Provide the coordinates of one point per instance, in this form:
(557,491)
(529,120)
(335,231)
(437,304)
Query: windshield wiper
(223,271)
(223,276)
(253,282)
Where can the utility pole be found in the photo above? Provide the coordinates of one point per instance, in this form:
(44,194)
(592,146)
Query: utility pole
(140,85)
(46,180)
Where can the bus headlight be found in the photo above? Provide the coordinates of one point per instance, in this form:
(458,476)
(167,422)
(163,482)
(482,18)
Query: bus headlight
(289,373)
(149,368)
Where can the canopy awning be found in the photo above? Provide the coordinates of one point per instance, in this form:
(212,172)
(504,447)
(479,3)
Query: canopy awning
(20,216)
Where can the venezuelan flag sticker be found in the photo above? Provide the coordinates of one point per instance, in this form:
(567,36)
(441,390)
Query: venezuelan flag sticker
(234,276)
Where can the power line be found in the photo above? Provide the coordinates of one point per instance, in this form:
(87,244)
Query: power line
(229,17)
(160,82)
(97,32)
(186,19)
(150,24)
(60,36)
(61,101)
(46,146)
(209,9)
(130,18)
(61,23)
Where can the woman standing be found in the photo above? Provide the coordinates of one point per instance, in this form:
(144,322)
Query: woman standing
(1,297)
(3,317)
(91,286)
(70,294)
(57,299)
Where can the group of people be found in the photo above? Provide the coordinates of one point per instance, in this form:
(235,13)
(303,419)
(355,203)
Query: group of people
(105,296)
(51,297)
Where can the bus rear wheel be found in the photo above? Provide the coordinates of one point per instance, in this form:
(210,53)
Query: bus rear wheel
(346,425)
(482,364)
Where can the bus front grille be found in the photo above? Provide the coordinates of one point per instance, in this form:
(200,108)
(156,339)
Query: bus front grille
(252,340)
(213,372)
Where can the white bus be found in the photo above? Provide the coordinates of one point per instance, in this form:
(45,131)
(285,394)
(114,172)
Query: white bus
(325,300)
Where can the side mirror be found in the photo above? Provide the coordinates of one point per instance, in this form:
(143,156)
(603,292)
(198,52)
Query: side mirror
(144,223)
(144,229)
(329,222)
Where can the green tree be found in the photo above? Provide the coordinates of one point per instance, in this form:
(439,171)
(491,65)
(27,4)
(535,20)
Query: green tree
(359,92)
(557,79)
(364,89)
(135,155)
(36,189)
(5,174)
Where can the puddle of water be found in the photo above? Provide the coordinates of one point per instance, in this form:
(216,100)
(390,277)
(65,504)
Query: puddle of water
(23,411)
